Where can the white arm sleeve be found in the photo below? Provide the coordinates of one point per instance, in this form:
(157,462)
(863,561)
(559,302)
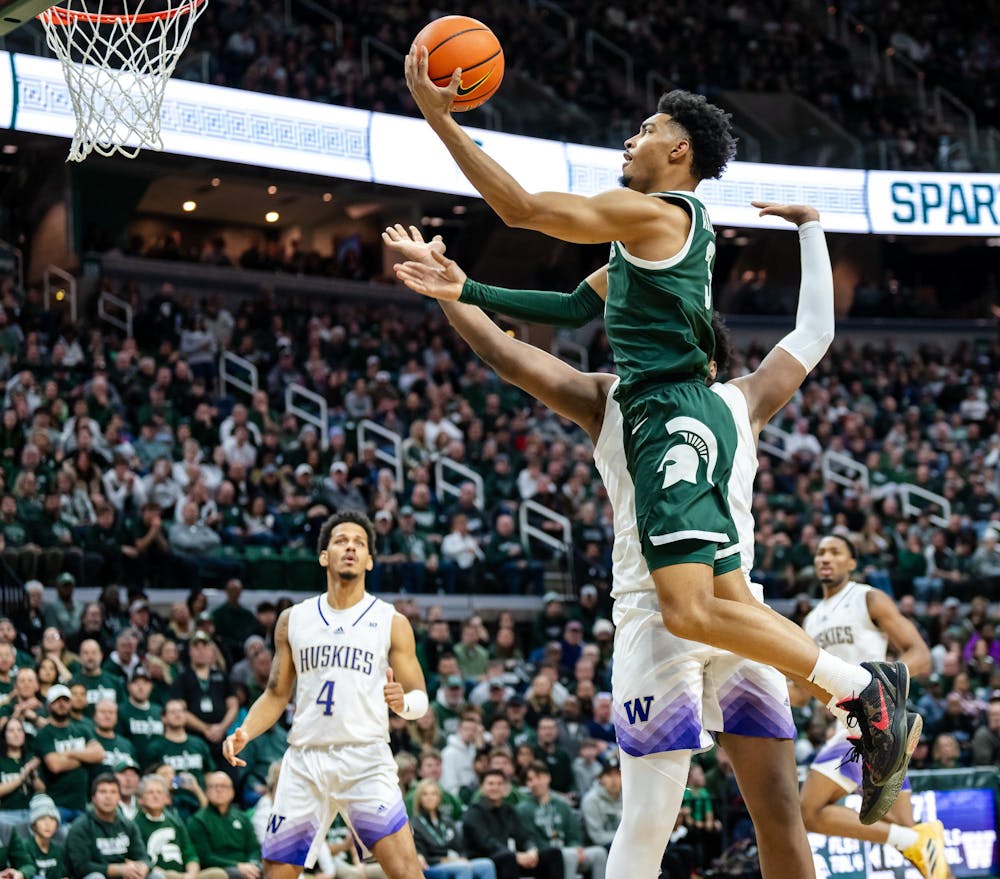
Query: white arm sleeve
(813,332)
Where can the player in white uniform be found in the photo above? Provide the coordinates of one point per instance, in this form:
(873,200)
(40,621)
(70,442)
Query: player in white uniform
(858,623)
(351,658)
(670,693)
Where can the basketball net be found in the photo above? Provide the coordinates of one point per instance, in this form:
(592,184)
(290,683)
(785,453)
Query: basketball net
(117,58)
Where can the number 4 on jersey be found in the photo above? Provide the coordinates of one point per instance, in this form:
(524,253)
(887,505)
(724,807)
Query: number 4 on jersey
(325,697)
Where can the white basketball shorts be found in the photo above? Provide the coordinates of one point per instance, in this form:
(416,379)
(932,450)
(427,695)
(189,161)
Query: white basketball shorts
(671,694)
(358,782)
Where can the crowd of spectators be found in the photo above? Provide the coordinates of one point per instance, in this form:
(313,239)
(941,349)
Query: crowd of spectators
(121,464)
(123,468)
(112,718)
(253,46)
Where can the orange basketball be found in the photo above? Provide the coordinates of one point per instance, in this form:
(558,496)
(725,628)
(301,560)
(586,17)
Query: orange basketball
(459,41)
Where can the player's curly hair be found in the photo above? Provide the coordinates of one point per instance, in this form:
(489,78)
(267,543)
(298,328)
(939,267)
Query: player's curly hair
(723,346)
(708,126)
(323,543)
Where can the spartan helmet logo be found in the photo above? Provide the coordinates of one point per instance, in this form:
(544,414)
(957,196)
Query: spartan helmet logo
(695,443)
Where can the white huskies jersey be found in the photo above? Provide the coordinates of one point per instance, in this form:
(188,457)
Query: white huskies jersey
(744,472)
(842,625)
(341,658)
(628,567)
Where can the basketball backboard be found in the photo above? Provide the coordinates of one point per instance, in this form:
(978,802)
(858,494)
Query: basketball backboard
(14,13)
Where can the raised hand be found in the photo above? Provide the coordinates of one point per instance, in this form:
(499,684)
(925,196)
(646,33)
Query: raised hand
(433,101)
(411,245)
(444,281)
(794,213)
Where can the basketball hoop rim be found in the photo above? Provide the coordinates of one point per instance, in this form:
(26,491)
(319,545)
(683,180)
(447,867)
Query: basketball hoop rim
(56,15)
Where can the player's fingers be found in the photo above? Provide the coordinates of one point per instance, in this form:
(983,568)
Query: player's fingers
(388,674)
(441,259)
(763,204)
(456,80)
(415,235)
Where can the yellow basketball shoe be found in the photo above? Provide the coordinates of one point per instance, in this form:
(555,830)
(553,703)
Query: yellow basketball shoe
(927,853)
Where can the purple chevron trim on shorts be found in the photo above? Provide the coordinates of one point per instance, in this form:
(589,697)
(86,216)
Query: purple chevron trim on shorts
(675,726)
(748,709)
(290,843)
(836,753)
(371,826)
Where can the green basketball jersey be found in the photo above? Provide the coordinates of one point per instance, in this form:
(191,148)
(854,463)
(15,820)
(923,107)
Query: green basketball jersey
(658,314)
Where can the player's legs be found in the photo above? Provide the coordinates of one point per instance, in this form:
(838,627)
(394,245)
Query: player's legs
(278,870)
(652,791)
(300,816)
(367,795)
(821,814)
(721,612)
(765,772)
(680,443)
(397,855)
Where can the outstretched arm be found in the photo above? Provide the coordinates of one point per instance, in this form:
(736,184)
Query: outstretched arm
(536,306)
(609,216)
(782,372)
(264,713)
(578,396)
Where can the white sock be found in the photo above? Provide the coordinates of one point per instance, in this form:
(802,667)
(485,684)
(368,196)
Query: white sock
(902,837)
(838,713)
(840,679)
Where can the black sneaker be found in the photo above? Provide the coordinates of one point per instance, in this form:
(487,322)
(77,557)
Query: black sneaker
(877,800)
(879,714)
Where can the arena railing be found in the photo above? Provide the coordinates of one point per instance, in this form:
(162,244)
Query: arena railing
(770,437)
(318,418)
(572,352)
(844,470)
(121,321)
(594,39)
(394,458)
(908,490)
(444,468)
(229,361)
(529,531)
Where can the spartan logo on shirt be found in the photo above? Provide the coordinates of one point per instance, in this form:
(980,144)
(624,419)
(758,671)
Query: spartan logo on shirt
(162,846)
(691,443)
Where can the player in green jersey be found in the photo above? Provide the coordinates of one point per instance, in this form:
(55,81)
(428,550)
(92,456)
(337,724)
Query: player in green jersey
(679,444)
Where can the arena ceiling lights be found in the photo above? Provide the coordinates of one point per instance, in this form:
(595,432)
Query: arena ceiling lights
(340,142)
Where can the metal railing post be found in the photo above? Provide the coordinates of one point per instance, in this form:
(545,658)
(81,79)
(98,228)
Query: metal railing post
(838,468)
(908,490)
(393,459)
(318,418)
(593,37)
(248,384)
(123,323)
(572,352)
(445,485)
